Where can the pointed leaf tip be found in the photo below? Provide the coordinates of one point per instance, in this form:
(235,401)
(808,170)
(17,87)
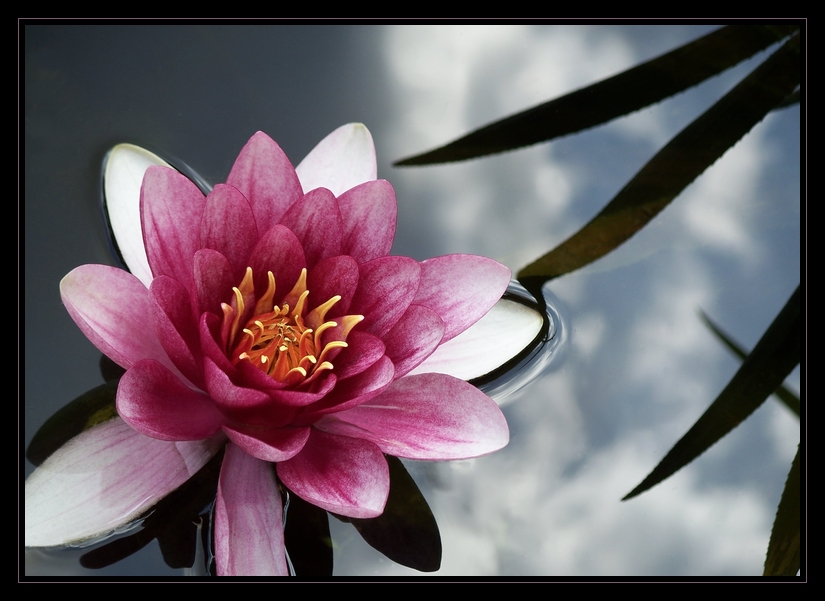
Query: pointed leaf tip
(407,531)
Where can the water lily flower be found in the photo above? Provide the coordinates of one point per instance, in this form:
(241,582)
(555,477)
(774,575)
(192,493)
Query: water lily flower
(267,318)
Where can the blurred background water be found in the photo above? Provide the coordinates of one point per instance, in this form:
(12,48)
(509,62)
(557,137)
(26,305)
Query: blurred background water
(640,366)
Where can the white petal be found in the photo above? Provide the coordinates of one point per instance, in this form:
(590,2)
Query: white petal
(122,179)
(103,479)
(497,337)
(342,160)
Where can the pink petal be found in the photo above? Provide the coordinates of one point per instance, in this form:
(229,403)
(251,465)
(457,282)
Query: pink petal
(113,310)
(250,376)
(171,207)
(276,444)
(347,476)
(212,347)
(156,403)
(352,391)
(385,290)
(249,529)
(461,289)
(263,174)
(122,179)
(430,416)
(316,221)
(174,322)
(228,226)
(244,405)
(369,212)
(249,408)
(336,276)
(213,280)
(342,160)
(103,479)
(414,338)
(363,351)
(280,252)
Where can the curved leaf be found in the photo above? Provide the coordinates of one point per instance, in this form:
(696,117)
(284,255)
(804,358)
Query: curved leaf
(674,167)
(89,409)
(783,551)
(619,95)
(790,400)
(770,362)
(407,531)
(109,369)
(307,539)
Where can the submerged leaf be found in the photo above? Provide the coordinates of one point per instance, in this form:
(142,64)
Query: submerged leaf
(674,167)
(89,409)
(770,362)
(406,532)
(790,400)
(619,95)
(307,539)
(783,550)
(109,369)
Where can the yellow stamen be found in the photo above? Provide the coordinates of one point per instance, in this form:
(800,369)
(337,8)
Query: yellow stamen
(293,346)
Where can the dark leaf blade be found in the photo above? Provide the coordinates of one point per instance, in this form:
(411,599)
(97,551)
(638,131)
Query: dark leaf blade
(178,518)
(676,165)
(109,369)
(307,539)
(784,556)
(789,101)
(608,99)
(774,357)
(407,531)
(116,550)
(89,409)
(790,400)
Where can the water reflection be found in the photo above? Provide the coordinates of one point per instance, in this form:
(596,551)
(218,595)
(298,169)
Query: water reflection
(546,348)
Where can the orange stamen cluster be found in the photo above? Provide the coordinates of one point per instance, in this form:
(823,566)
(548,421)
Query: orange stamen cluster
(287,342)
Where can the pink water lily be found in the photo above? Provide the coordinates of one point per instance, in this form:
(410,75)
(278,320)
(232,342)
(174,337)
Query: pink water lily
(269,318)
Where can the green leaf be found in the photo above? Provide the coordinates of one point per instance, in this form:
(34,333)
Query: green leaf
(789,101)
(783,550)
(109,369)
(770,362)
(89,409)
(676,165)
(407,531)
(619,95)
(790,400)
(307,539)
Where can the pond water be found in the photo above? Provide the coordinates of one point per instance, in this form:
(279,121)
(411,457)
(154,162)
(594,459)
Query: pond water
(639,366)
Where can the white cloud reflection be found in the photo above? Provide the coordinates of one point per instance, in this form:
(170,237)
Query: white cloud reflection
(641,367)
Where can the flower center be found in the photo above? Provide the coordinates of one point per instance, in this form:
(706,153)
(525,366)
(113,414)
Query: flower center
(288,342)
